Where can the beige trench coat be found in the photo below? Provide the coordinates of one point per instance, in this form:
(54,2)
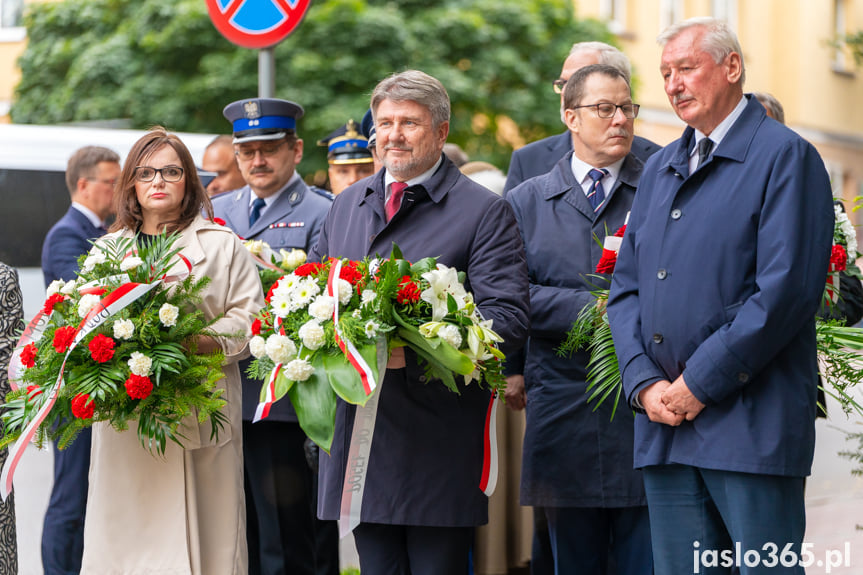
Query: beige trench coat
(184,513)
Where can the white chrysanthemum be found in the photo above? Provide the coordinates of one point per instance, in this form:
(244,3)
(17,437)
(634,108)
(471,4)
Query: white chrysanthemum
(86,303)
(124,329)
(306,289)
(54,287)
(168,315)
(449,333)
(356,314)
(282,304)
(258,346)
(130,263)
(299,370)
(293,259)
(372,328)
(69,287)
(280,348)
(255,247)
(93,260)
(312,335)
(368,296)
(346,291)
(322,308)
(140,364)
(286,285)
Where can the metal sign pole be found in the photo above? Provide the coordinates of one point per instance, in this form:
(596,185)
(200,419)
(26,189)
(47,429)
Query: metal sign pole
(267,72)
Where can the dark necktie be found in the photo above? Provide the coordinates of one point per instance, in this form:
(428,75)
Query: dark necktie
(257,206)
(597,192)
(397,190)
(705,146)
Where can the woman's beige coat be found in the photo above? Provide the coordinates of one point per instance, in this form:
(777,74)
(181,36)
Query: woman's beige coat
(184,513)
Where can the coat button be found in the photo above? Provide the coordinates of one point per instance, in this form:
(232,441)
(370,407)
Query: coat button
(657,338)
(742,377)
(422,379)
(372,238)
(675,214)
(661,274)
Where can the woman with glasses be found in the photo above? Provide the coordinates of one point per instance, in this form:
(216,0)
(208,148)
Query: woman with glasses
(183,512)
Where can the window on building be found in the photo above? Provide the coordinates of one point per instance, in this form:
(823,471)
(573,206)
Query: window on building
(670,12)
(614,12)
(841,60)
(10,13)
(725,10)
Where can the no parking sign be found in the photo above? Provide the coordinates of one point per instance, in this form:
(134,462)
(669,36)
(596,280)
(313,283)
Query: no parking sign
(257,23)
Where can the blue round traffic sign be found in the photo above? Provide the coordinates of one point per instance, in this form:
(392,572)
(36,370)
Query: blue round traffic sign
(256,23)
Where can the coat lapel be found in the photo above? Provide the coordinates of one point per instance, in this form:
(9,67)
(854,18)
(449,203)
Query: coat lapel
(630,173)
(281,209)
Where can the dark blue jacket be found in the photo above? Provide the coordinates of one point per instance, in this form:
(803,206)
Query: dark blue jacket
(539,157)
(719,278)
(426,457)
(66,241)
(573,456)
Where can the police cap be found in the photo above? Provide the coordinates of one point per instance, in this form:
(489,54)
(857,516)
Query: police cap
(346,146)
(262,118)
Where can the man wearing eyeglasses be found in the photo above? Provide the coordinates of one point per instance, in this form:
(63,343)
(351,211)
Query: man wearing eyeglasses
(275,206)
(577,462)
(91,174)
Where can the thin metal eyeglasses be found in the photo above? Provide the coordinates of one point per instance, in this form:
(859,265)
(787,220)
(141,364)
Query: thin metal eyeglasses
(558,85)
(266,151)
(107,182)
(606,110)
(169,174)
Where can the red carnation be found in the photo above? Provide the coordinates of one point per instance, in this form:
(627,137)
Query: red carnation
(607,262)
(256,327)
(308,269)
(52,300)
(219,221)
(63,338)
(101,348)
(28,355)
(82,406)
(33,391)
(409,292)
(139,386)
(838,259)
(351,274)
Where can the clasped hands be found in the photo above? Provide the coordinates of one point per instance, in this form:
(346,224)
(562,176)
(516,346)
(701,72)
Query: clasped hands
(670,403)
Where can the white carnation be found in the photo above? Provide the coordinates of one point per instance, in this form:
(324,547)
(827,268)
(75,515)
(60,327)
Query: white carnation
(449,333)
(140,364)
(346,291)
(299,370)
(258,346)
(124,329)
(93,260)
(168,314)
(69,287)
(280,348)
(322,308)
(312,335)
(54,287)
(367,296)
(86,303)
(130,263)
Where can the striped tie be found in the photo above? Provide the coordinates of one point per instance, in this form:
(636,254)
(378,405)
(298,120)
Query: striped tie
(597,192)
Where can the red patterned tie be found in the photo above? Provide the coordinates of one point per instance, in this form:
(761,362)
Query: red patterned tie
(397,190)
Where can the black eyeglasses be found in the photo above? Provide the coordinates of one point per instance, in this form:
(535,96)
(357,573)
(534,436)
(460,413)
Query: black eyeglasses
(558,85)
(266,151)
(609,110)
(169,174)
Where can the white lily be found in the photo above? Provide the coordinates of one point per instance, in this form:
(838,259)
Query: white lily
(443,281)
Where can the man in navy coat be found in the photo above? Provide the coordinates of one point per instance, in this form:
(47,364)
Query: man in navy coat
(577,465)
(422,496)
(277,207)
(712,310)
(540,157)
(91,174)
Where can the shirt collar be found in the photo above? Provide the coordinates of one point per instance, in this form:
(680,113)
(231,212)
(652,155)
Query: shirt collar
(720,131)
(422,178)
(90,215)
(269,200)
(580,169)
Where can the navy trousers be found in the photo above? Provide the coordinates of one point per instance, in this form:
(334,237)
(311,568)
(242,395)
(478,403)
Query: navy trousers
(697,514)
(600,541)
(63,529)
(413,550)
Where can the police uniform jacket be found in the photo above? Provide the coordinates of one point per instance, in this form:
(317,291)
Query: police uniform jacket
(426,457)
(719,277)
(573,456)
(294,220)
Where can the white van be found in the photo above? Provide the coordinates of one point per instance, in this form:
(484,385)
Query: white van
(33,194)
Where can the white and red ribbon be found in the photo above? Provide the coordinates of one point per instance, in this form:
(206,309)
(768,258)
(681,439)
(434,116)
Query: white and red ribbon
(262,411)
(488,481)
(348,348)
(31,334)
(111,304)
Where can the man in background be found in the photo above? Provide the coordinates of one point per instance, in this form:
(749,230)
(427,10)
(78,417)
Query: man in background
(91,175)
(348,157)
(220,160)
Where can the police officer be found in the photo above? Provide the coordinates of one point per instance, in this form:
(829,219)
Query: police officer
(348,157)
(277,207)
